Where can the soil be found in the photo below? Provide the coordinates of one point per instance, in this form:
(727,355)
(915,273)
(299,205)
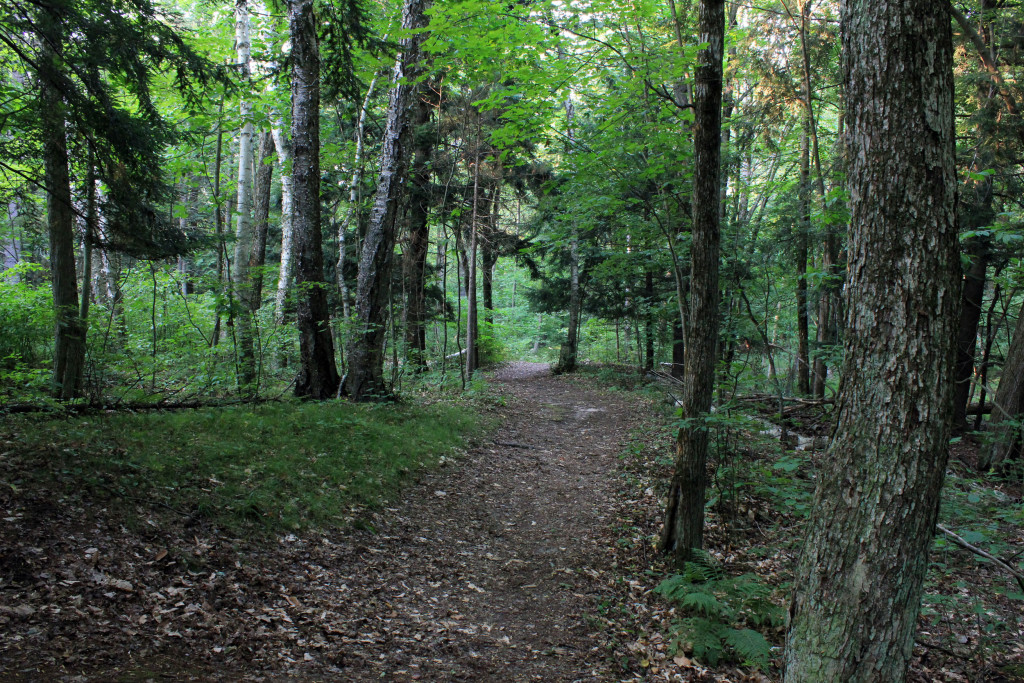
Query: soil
(497,567)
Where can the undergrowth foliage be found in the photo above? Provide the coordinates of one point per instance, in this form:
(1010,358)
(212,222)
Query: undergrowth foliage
(721,614)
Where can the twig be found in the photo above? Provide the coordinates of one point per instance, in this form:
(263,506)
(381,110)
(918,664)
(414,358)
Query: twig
(1018,575)
(945,651)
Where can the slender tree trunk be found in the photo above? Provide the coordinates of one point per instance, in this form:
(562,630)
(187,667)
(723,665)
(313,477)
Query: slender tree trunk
(1007,405)
(678,348)
(803,356)
(69,344)
(826,325)
(244,237)
(354,202)
(365,379)
(419,234)
(972,294)
(218,219)
(859,580)
(649,321)
(684,514)
(283,144)
(261,218)
(570,349)
(318,375)
(471,305)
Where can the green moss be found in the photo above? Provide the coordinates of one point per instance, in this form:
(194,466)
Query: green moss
(278,466)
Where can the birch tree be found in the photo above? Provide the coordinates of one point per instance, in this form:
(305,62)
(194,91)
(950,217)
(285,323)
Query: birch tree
(365,379)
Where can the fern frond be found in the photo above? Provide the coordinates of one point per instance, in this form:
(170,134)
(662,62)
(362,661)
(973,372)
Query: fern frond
(750,646)
(704,602)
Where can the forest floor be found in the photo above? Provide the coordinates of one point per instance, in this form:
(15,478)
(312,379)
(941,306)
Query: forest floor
(528,558)
(500,566)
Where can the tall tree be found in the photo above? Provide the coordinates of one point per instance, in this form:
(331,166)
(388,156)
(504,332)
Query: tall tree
(69,347)
(244,237)
(860,576)
(318,376)
(365,378)
(419,231)
(684,514)
(95,63)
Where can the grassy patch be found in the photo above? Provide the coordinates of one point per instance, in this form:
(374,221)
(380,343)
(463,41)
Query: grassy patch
(279,466)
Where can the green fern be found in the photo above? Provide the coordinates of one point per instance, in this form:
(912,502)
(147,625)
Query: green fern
(704,602)
(751,647)
(719,612)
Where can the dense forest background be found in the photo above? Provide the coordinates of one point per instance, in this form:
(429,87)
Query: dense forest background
(229,204)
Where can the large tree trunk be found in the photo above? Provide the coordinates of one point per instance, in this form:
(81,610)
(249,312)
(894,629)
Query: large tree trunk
(684,513)
(365,379)
(859,580)
(419,235)
(318,375)
(69,344)
(244,238)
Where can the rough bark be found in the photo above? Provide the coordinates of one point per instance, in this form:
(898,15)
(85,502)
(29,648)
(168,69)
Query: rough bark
(419,235)
(69,335)
(318,374)
(859,579)
(684,513)
(365,379)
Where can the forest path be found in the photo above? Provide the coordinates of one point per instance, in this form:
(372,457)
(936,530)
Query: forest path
(496,569)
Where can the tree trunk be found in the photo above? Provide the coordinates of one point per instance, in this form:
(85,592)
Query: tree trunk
(1007,405)
(570,348)
(244,238)
(419,235)
(803,356)
(261,218)
(365,379)
(826,315)
(69,338)
(649,321)
(678,348)
(859,580)
(284,165)
(318,375)
(972,294)
(472,329)
(684,514)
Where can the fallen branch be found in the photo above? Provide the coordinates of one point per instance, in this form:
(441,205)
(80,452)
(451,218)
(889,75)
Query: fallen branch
(1015,573)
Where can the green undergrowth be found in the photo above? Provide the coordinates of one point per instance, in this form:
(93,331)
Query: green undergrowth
(285,466)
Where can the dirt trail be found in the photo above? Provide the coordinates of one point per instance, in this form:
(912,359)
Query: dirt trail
(495,571)
(494,568)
